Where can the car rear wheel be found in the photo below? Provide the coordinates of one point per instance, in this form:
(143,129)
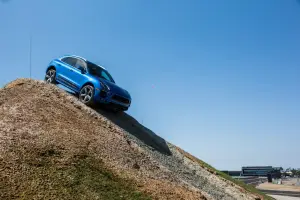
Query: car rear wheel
(50,76)
(86,95)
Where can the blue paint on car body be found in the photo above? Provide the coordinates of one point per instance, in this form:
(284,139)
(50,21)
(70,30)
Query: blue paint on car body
(75,72)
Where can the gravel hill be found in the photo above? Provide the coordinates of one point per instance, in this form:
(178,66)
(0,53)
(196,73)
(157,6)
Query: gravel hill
(54,147)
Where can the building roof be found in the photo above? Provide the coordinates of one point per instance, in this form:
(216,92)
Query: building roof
(257,167)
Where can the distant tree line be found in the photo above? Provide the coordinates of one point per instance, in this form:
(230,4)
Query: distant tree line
(292,171)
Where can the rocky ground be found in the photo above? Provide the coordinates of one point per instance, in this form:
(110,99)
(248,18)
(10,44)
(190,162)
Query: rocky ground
(46,135)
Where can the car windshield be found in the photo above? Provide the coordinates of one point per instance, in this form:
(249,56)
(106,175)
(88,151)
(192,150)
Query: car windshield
(99,72)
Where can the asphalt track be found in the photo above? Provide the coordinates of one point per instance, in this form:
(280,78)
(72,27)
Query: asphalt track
(282,193)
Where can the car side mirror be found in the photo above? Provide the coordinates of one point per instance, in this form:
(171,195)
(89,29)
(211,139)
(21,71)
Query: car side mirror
(82,69)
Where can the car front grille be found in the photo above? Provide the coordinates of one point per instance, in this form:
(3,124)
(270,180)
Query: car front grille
(120,99)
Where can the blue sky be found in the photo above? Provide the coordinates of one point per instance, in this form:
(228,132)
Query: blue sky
(218,78)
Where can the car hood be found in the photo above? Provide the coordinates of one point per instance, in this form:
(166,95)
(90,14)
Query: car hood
(116,89)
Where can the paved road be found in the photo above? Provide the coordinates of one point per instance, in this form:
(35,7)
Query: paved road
(283,193)
(279,197)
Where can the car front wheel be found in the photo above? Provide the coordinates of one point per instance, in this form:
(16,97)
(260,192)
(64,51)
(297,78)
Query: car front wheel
(86,95)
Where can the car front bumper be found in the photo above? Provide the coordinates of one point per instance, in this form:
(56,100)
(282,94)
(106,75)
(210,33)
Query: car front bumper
(108,98)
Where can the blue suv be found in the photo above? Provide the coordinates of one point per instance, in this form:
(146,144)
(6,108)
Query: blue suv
(91,82)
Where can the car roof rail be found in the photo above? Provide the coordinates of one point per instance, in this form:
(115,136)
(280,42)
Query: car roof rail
(74,56)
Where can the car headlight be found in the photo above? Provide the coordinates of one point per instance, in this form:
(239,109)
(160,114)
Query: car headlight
(104,87)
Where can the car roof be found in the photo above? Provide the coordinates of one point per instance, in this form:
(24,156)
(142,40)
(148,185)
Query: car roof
(74,56)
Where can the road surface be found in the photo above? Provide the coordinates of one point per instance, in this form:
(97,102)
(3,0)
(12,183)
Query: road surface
(279,197)
(282,193)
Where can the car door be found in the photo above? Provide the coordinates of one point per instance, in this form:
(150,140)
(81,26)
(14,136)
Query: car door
(64,74)
(77,75)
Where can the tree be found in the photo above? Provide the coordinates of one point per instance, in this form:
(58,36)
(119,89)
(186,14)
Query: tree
(296,172)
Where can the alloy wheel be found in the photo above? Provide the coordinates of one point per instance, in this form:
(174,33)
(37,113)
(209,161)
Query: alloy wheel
(86,94)
(50,76)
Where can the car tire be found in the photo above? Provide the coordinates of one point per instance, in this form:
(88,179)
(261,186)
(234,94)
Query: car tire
(50,76)
(86,95)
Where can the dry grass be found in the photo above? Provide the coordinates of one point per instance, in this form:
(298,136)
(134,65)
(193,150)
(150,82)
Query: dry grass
(46,176)
(53,147)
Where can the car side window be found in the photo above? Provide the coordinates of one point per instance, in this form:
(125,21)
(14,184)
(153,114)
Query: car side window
(80,63)
(104,75)
(69,60)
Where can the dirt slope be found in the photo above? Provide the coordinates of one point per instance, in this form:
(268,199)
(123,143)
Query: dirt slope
(54,147)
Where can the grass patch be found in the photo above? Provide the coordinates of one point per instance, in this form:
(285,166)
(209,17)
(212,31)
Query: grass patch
(94,180)
(211,169)
(81,178)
